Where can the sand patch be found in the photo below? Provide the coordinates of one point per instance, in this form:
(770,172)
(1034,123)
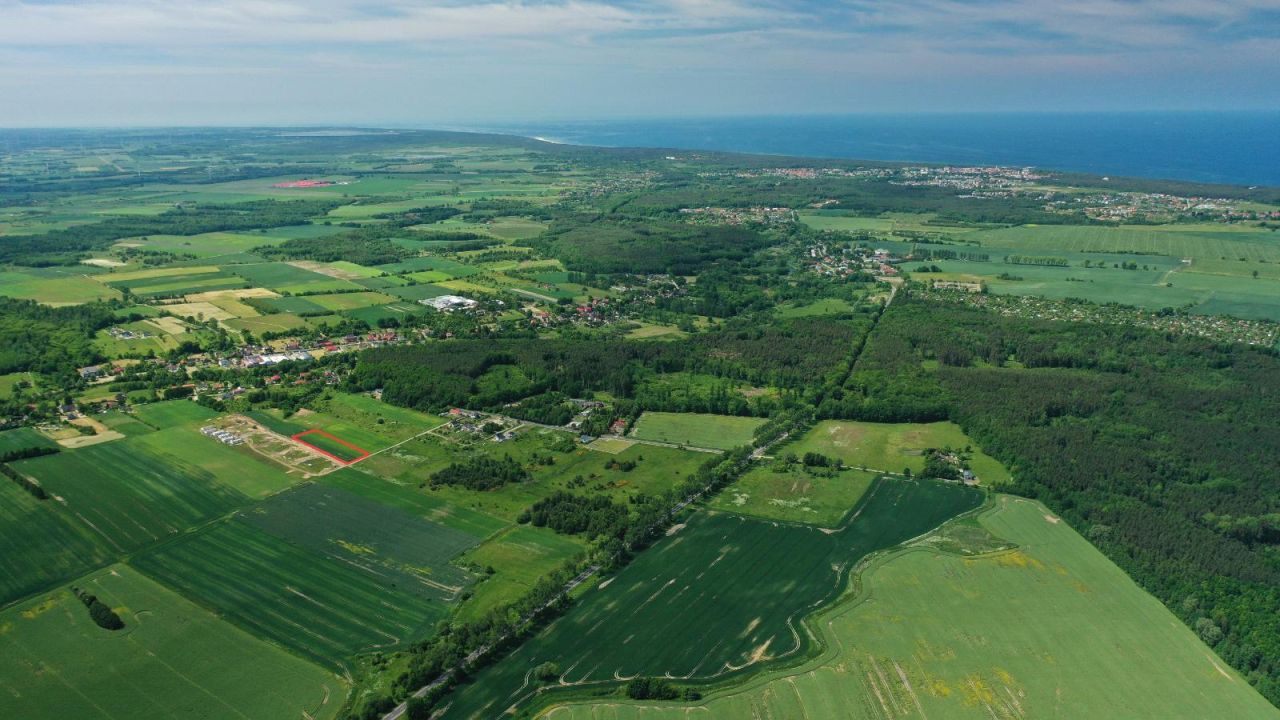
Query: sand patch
(323,269)
(102,262)
(213,295)
(198,310)
(1051,519)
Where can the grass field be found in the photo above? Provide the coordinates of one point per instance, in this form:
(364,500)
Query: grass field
(130,494)
(519,557)
(1050,629)
(795,495)
(124,423)
(656,469)
(322,608)
(725,590)
(70,290)
(172,659)
(40,544)
(283,277)
(720,432)
(169,413)
(892,446)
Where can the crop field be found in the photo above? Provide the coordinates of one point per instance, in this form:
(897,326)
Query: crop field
(283,277)
(132,495)
(71,290)
(206,245)
(414,502)
(322,608)
(730,588)
(169,413)
(1178,241)
(452,268)
(124,423)
(1060,627)
(350,301)
(297,305)
(172,659)
(238,468)
(795,495)
(40,544)
(23,438)
(892,446)
(331,445)
(403,549)
(720,432)
(267,323)
(519,556)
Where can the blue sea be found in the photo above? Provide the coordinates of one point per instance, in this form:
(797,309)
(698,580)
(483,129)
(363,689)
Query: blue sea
(1241,148)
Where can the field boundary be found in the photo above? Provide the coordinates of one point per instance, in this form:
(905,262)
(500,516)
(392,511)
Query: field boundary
(298,437)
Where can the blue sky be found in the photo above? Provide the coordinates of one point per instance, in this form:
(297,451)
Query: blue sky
(158,62)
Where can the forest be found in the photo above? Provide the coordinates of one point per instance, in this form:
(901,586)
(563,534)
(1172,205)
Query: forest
(1159,448)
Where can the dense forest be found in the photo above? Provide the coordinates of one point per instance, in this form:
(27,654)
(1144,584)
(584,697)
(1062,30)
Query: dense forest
(620,245)
(486,374)
(51,340)
(1160,448)
(66,247)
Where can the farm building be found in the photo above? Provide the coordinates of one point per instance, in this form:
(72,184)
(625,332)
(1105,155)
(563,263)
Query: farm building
(447,303)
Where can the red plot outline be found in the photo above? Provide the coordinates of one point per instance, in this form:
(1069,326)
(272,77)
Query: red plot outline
(316,431)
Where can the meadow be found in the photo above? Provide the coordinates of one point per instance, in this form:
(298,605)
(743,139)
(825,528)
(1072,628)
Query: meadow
(23,438)
(1062,630)
(172,659)
(519,557)
(719,432)
(892,447)
(655,469)
(795,495)
(730,589)
(320,607)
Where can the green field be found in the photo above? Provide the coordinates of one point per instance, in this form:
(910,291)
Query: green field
(236,467)
(23,438)
(322,608)
(519,557)
(405,550)
(130,494)
(656,469)
(168,413)
(283,277)
(413,501)
(725,590)
(892,447)
(172,659)
(795,495)
(124,423)
(720,432)
(1062,632)
(40,544)
(71,290)
(336,447)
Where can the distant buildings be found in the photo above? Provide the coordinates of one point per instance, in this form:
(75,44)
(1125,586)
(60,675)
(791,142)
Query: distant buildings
(449,303)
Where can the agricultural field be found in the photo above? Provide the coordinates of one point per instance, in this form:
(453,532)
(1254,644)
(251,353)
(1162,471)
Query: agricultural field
(23,438)
(331,445)
(318,606)
(1061,628)
(892,447)
(169,413)
(729,587)
(57,290)
(130,494)
(405,550)
(796,494)
(410,500)
(719,432)
(172,659)
(41,543)
(285,278)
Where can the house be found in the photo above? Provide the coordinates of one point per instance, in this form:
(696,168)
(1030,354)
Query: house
(91,373)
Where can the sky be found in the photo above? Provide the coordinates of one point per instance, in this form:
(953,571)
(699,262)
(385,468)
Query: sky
(427,62)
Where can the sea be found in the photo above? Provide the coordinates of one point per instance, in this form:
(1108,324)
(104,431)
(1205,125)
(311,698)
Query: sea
(1238,148)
